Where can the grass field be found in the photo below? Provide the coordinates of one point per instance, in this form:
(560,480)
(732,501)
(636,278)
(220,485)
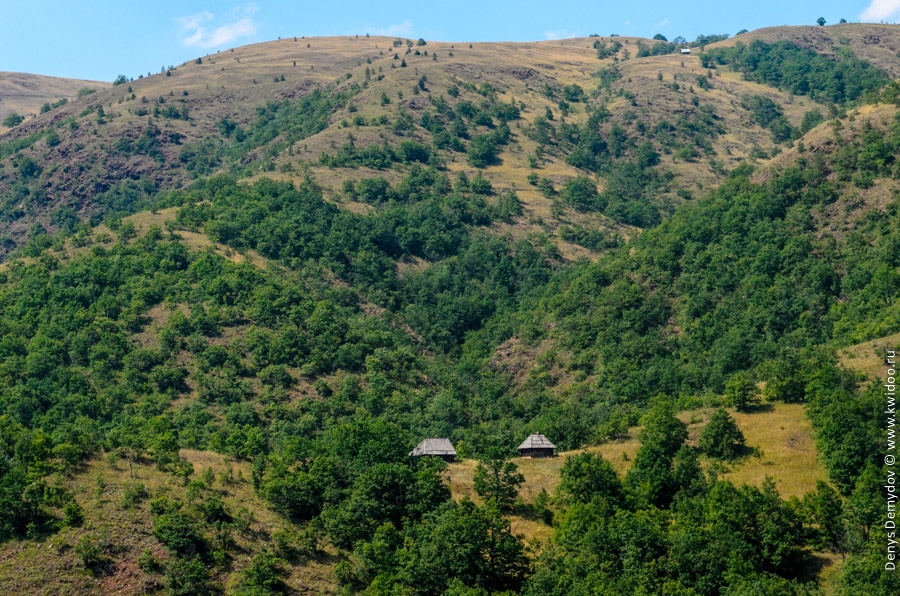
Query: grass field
(868,357)
(232,84)
(24,93)
(781,438)
(50,565)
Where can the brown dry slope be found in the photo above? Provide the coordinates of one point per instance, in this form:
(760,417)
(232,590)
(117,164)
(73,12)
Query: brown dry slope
(24,93)
(110,149)
(116,499)
(875,43)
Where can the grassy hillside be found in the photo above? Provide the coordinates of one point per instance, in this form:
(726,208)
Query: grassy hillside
(27,94)
(297,259)
(780,439)
(114,151)
(113,551)
(868,358)
(875,43)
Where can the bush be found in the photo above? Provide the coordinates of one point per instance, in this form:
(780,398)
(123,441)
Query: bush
(133,494)
(480,186)
(74,514)
(410,151)
(721,437)
(586,476)
(573,93)
(12,119)
(91,551)
(179,534)
(28,168)
(187,577)
(581,193)
(261,575)
(149,562)
(482,151)
(741,391)
(373,190)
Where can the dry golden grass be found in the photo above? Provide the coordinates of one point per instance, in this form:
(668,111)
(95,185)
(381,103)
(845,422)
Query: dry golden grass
(24,93)
(233,83)
(51,565)
(853,203)
(831,566)
(541,474)
(786,444)
(783,436)
(876,43)
(145,220)
(868,357)
(533,532)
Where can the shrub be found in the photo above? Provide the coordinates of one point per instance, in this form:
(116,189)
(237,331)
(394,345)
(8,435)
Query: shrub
(721,437)
(12,119)
(187,577)
(179,534)
(261,575)
(91,551)
(133,494)
(741,392)
(581,193)
(482,151)
(74,514)
(586,476)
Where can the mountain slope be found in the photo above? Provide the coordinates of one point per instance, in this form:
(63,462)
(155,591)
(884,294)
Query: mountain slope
(338,262)
(211,115)
(874,43)
(25,94)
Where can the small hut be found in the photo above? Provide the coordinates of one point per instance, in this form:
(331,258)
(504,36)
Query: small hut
(536,446)
(441,448)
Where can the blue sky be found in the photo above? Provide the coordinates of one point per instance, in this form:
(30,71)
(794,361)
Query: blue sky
(100,39)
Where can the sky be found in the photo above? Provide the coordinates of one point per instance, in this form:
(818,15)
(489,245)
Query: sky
(101,39)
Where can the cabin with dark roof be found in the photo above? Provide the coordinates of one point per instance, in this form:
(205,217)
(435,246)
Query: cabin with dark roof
(536,446)
(441,448)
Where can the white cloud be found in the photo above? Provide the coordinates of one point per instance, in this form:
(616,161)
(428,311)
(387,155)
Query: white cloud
(228,33)
(660,25)
(880,10)
(204,30)
(195,21)
(404,29)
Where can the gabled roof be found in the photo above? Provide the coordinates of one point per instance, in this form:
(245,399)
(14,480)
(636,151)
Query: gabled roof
(433,447)
(537,442)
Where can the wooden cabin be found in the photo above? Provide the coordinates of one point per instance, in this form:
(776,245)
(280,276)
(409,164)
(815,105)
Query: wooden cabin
(441,448)
(536,446)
